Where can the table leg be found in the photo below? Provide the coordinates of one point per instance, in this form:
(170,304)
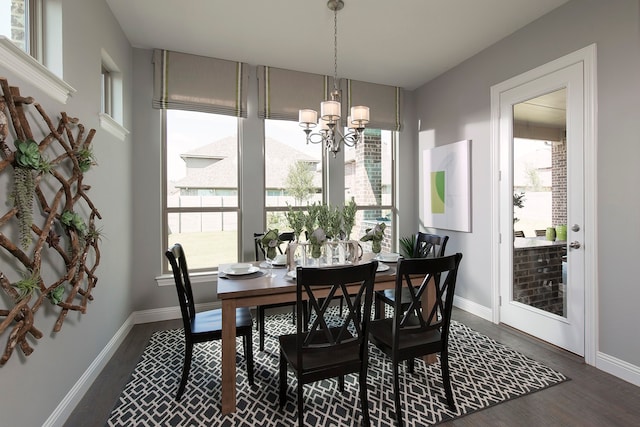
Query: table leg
(428,299)
(228,356)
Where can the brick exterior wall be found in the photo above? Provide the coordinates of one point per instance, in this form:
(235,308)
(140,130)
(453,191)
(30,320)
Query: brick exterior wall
(559,183)
(18,25)
(537,278)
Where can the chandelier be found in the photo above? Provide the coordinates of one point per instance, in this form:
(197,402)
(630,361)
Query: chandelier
(330,135)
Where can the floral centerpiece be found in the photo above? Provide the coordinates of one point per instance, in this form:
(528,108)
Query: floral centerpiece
(270,242)
(375,236)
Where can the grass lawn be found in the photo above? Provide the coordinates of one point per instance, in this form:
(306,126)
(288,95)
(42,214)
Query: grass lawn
(207,249)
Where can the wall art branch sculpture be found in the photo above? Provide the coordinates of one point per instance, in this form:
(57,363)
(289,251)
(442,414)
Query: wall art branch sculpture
(49,243)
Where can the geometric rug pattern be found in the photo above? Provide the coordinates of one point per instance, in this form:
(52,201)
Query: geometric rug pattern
(483,373)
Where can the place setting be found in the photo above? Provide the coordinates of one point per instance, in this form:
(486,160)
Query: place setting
(239,271)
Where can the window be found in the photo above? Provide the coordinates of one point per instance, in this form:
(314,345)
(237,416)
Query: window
(20,22)
(106,99)
(201,208)
(369,180)
(293,171)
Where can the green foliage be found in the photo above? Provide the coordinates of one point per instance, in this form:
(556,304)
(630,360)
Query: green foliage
(311,217)
(375,235)
(270,241)
(55,296)
(73,220)
(23,190)
(407,244)
(317,239)
(85,158)
(28,285)
(299,181)
(27,154)
(296,221)
(349,217)
(518,202)
(335,222)
(322,216)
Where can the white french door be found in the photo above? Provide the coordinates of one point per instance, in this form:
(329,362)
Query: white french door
(563,322)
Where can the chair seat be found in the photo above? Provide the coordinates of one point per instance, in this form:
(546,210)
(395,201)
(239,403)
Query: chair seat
(380,334)
(341,356)
(210,322)
(390,295)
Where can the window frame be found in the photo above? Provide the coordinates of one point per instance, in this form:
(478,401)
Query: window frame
(166,210)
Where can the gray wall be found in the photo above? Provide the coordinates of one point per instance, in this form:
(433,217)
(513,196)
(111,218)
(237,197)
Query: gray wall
(34,386)
(456,106)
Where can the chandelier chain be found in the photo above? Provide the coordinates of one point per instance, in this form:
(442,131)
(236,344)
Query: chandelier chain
(335,48)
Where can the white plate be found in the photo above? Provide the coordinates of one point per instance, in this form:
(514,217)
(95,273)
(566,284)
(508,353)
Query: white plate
(277,264)
(388,257)
(382,267)
(252,269)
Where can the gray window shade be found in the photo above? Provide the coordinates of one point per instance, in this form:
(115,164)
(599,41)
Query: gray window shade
(198,83)
(383,101)
(282,93)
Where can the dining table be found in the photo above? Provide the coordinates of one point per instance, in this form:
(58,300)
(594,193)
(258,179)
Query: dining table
(257,289)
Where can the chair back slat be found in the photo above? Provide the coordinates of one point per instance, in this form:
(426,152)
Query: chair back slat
(322,332)
(178,262)
(429,245)
(417,275)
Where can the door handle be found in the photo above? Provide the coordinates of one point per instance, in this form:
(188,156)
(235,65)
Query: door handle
(575,245)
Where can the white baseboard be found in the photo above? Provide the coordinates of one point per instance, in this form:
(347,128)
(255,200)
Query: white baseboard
(168,313)
(618,368)
(473,308)
(73,397)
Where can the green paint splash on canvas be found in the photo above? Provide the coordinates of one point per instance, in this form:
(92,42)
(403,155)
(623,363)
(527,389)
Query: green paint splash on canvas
(437,192)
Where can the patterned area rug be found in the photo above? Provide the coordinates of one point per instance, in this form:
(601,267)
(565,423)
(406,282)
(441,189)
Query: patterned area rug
(483,373)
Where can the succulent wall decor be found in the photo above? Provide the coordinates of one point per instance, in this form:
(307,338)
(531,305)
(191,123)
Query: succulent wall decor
(49,214)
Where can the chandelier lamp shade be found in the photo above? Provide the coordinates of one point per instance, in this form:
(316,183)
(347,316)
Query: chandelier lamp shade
(330,135)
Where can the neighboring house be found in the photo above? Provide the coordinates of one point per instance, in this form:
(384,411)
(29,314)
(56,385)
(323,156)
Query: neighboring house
(210,169)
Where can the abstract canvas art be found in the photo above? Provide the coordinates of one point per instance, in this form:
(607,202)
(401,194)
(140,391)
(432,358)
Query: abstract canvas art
(446,183)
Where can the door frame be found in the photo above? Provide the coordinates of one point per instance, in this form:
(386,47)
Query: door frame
(587,56)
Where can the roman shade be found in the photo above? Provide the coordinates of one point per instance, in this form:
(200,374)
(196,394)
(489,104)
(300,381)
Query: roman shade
(197,83)
(282,93)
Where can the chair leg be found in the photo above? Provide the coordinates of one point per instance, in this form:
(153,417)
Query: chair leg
(261,326)
(247,342)
(341,383)
(446,379)
(188,351)
(396,394)
(364,401)
(258,308)
(411,365)
(293,315)
(300,404)
(341,304)
(378,305)
(283,380)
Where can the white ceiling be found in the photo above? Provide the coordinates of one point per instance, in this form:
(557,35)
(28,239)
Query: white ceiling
(402,43)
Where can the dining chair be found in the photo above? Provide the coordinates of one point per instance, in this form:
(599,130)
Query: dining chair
(540,233)
(206,325)
(286,238)
(518,233)
(329,346)
(416,331)
(426,245)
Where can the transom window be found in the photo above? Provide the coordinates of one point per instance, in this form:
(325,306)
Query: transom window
(201,208)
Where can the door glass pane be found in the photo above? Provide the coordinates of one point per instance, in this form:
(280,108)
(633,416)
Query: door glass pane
(540,203)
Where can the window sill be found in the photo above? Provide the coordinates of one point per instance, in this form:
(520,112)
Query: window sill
(203,277)
(114,128)
(24,65)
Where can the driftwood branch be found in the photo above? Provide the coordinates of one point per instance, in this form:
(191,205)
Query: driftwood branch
(77,250)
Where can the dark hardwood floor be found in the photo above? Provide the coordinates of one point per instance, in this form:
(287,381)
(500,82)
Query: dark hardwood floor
(590,398)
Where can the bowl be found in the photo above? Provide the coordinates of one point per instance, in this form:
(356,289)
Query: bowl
(240,268)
